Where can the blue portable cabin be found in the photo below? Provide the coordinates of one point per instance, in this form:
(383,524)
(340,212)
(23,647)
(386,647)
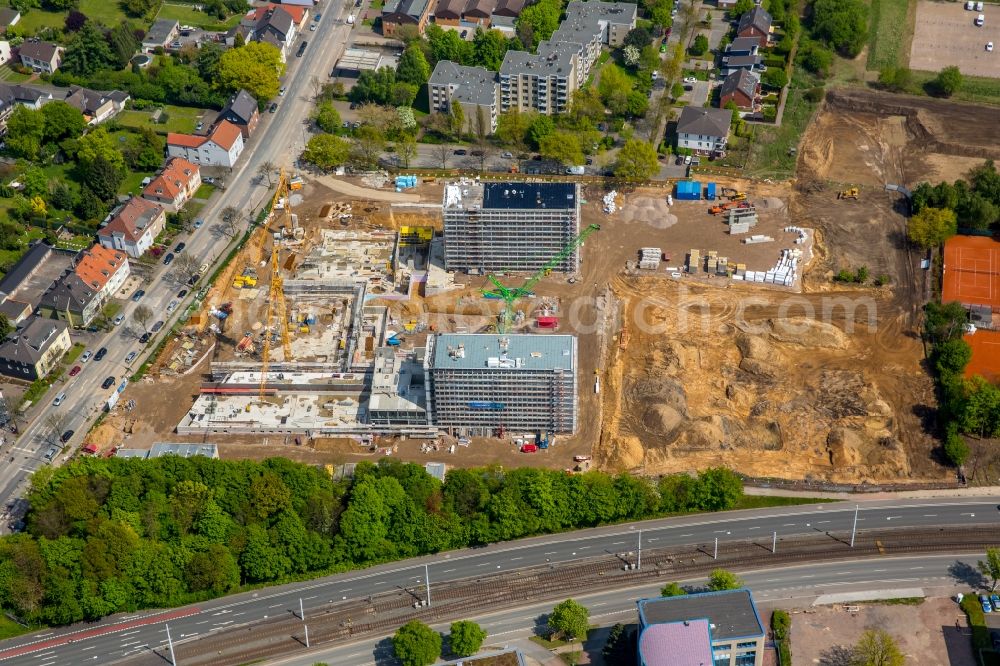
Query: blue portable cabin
(688,190)
(710,191)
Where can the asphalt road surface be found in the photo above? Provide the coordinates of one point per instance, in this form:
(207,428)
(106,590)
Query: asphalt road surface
(135,635)
(770,586)
(279,139)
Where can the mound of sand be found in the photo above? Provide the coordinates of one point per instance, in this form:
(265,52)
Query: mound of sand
(648,210)
(807,333)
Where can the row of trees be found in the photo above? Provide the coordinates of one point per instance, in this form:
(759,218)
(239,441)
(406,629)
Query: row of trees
(416,644)
(113,535)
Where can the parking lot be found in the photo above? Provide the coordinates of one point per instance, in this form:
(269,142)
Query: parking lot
(945,34)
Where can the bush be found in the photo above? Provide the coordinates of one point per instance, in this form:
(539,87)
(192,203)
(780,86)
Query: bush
(814,95)
(980,634)
(781,623)
(699,46)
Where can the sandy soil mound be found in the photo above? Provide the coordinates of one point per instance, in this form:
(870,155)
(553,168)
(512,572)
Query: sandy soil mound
(648,210)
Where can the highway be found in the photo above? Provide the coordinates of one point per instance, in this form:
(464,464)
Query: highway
(135,635)
(279,139)
(782,587)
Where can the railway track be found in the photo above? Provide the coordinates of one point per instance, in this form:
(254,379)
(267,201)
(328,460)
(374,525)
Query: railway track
(341,622)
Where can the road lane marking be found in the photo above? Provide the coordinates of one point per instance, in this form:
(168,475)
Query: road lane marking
(753,528)
(447,571)
(88,648)
(129,633)
(820,522)
(276,605)
(789,525)
(308,598)
(515,559)
(930,515)
(617,543)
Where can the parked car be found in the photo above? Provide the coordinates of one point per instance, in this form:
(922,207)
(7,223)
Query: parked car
(59,399)
(281,91)
(979,6)
(312,27)
(119,319)
(180,248)
(144,338)
(687,159)
(273,107)
(690,79)
(198,223)
(101,353)
(317,17)
(138,294)
(156,327)
(75,371)
(989,47)
(507,155)
(302,49)
(168,259)
(199,127)
(131,357)
(182,293)
(980,20)
(985,603)
(995,601)
(86,356)
(52,453)
(209,180)
(108,382)
(171,306)
(66,436)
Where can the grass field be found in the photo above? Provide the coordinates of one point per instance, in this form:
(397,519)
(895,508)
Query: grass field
(10,76)
(9,628)
(188,15)
(133,182)
(106,12)
(769,157)
(180,119)
(978,90)
(891,32)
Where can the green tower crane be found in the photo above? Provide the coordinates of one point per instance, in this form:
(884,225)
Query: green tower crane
(509,295)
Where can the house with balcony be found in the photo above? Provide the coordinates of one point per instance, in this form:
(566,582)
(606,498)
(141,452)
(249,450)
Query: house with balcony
(133,227)
(474,88)
(703,130)
(97,106)
(220,148)
(542,82)
(174,185)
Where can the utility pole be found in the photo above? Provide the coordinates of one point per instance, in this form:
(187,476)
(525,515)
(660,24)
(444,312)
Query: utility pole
(716,555)
(638,564)
(302,613)
(774,542)
(854,530)
(427,583)
(173,659)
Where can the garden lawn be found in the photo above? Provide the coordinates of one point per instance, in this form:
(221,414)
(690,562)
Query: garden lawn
(891,32)
(180,119)
(188,15)
(133,182)
(205,191)
(105,11)
(10,76)
(769,156)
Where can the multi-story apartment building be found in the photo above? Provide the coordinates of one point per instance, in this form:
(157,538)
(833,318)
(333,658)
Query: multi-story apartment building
(474,88)
(543,82)
(591,25)
(482,384)
(506,226)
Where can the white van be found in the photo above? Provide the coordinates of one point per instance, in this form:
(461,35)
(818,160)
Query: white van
(59,399)
(970,6)
(980,20)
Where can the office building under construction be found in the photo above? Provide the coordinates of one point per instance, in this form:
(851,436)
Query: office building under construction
(486,384)
(504,227)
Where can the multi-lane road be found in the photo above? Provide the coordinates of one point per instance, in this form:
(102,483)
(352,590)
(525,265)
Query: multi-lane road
(120,638)
(797,585)
(279,139)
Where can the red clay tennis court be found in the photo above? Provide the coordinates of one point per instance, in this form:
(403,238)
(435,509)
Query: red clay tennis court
(985,354)
(971,271)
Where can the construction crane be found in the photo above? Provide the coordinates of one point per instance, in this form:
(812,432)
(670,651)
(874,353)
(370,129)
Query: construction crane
(509,295)
(276,311)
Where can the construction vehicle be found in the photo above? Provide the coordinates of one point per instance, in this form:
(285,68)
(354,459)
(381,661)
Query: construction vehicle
(850,193)
(510,295)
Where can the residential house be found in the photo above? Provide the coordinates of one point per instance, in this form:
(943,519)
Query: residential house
(756,23)
(71,300)
(5,52)
(103,270)
(175,185)
(703,130)
(161,34)
(133,226)
(34,349)
(42,57)
(505,25)
(464,13)
(749,63)
(508,8)
(243,112)
(474,88)
(12,95)
(16,311)
(97,106)
(274,24)
(396,13)
(220,148)
(8,17)
(708,628)
(743,46)
(742,88)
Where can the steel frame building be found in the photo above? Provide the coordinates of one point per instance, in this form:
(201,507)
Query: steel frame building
(484,384)
(504,227)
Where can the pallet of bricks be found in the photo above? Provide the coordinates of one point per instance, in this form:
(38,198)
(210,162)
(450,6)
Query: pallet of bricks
(649,258)
(694,261)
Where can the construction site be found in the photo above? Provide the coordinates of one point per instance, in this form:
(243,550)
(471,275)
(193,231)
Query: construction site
(673,332)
